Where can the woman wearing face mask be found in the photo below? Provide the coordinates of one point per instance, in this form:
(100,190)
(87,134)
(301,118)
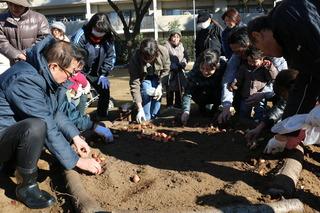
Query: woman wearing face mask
(208,34)
(97,39)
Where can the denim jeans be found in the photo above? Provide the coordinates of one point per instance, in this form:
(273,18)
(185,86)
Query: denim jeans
(151,106)
(259,110)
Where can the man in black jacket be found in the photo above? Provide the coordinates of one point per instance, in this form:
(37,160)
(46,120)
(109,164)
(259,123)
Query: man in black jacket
(292,30)
(208,35)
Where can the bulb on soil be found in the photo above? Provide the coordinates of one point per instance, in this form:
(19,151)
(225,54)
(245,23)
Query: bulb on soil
(135,179)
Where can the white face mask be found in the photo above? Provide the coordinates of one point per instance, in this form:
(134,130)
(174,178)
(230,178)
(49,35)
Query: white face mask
(97,34)
(204,25)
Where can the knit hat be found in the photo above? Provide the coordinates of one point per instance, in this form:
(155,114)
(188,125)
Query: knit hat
(203,16)
(24,3)
(59,25)
(175,31)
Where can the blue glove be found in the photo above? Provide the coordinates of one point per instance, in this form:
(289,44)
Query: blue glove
(104,81)
(105,133)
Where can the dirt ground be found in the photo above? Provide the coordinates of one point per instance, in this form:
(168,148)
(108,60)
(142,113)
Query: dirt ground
(201,168)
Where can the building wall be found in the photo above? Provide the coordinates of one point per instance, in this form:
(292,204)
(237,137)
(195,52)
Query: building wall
(168,11)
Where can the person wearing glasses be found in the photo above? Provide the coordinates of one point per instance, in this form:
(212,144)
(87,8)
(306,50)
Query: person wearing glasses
(203,83)
(20,28)
(29,119)
(148,68)
(97,39)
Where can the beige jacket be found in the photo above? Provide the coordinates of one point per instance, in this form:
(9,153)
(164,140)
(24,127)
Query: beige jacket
(138,71)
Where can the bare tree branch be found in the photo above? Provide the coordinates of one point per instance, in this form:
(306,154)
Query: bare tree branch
(120,14)
(135,5)
(131,24)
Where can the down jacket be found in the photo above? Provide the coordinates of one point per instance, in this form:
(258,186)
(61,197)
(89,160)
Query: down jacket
(27,93)
(17,36)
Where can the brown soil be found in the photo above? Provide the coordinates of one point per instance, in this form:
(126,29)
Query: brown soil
(203,167)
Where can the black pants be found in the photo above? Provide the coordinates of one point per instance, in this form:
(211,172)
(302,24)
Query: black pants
(23,143)
(202,98)
(104,96)
(173,95)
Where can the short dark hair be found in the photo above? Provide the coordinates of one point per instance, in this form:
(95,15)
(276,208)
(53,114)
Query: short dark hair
(258,24)
(285,80)
(101,22)
(60,52)
(239,36)
(81,55)
(233,14)
(209,57)
(253,52)
(149,48)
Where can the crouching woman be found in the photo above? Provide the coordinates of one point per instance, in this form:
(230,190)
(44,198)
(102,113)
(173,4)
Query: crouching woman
(147,68)
(203,83)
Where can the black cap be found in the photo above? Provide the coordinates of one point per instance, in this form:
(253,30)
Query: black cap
(203,16)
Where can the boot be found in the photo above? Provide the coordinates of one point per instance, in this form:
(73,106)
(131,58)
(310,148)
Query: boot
(28,191)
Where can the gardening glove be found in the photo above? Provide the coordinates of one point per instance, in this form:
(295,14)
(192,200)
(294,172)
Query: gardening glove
(158,92)
(274,146)
(140,116)
(104,132)
(185,117)
(104,81)
(150,91)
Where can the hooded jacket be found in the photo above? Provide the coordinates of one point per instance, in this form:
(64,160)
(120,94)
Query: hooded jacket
(28,91)
(98,64)
(18,35)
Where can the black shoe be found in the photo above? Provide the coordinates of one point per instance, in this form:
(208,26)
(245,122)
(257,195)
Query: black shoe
(28,191)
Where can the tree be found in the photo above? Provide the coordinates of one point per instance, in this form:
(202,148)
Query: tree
(132,27)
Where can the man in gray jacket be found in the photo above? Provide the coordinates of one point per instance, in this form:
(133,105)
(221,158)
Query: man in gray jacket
(20,28)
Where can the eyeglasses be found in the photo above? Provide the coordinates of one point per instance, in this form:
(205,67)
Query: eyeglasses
(68,73)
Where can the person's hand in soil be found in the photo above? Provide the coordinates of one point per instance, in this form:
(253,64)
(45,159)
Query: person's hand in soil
(184,118)
(225,115)
(90,165)
(104,132)
(253,134)
(276,144)
(140,116)
(82,148)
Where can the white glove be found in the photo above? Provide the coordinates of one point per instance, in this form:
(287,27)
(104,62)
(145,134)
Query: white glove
(140,116)
(184,117)
(158,92)
(274,146)
(87,89)
(79,92)
(150,91)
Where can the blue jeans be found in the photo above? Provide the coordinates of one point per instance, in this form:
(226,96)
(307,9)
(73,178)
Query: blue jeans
(151,106)
(259,110)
